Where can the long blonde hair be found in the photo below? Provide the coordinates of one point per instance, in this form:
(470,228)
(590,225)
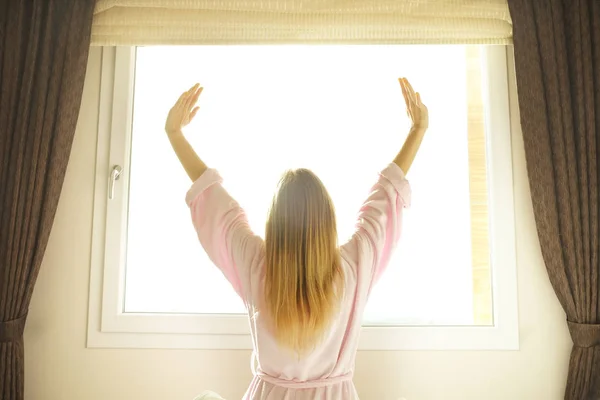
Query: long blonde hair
(303,282)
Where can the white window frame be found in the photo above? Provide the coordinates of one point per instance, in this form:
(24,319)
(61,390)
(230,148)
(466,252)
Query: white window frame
(110,327)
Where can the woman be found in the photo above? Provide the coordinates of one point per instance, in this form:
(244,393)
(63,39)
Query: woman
(305,295)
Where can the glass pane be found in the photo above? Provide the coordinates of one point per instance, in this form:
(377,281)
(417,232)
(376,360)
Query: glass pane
(335,109)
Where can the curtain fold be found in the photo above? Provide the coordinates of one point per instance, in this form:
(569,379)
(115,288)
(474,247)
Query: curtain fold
(42,69)
(557,56)
(156,22)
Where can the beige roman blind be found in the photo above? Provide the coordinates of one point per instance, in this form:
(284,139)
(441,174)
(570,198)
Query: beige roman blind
(188,22)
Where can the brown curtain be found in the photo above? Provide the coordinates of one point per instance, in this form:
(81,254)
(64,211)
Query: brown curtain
(557,55)
(43,58)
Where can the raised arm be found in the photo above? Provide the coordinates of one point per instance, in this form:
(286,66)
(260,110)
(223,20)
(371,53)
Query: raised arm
(380,218)
(220,222)
(182,113)
(419,115)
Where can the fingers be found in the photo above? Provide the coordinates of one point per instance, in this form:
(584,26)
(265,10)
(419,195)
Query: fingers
(193,113)
(403,87)
(410,90)
(187,96)
(405,93)
(193,97)
(192,90)
(181,98)
(410,109)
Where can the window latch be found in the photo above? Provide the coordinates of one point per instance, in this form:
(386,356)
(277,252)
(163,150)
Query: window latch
(115,174)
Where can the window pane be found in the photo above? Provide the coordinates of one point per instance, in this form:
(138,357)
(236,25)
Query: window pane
(335,109)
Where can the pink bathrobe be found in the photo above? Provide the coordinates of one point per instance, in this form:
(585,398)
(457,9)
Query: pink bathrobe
(326,372)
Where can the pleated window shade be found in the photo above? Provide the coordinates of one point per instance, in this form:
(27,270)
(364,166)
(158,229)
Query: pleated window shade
(189,22)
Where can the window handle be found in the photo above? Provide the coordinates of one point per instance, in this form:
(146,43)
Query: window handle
(115,174)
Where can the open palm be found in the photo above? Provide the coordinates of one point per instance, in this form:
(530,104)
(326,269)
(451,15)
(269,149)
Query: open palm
(416,110)
(184,110)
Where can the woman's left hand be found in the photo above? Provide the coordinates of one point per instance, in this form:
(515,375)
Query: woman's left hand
(184,111)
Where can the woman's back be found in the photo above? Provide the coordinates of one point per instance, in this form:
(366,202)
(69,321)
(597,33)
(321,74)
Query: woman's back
(305,297)
(324,371)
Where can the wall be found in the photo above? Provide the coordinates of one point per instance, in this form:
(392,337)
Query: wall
(59,367)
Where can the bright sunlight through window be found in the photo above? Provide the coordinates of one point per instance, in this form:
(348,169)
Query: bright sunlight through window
(339,111)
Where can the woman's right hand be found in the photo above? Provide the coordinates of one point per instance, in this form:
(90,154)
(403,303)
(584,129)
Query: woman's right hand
(416,110)
(419,116)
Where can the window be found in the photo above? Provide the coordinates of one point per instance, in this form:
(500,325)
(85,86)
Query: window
(339,111)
